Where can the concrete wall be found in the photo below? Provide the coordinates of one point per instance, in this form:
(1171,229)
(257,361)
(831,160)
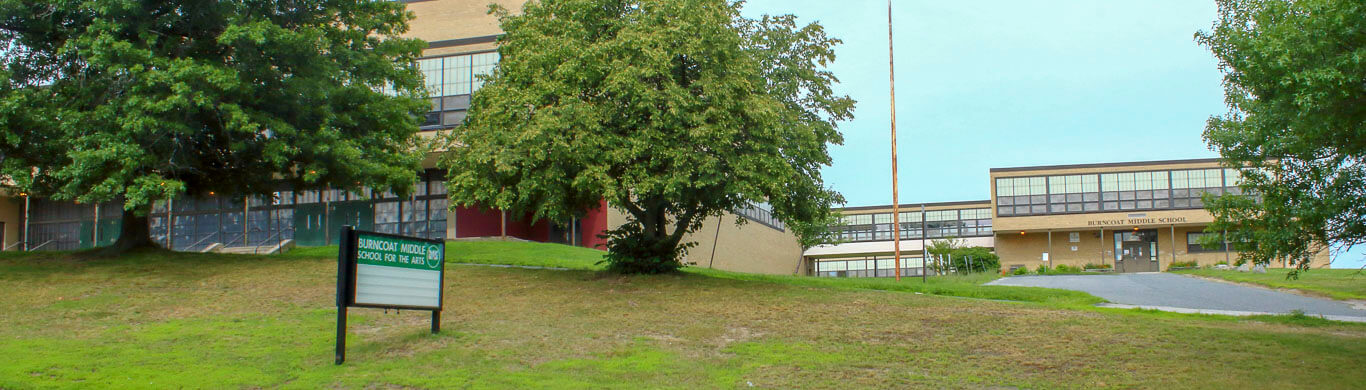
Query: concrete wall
(439,20)
(753,248)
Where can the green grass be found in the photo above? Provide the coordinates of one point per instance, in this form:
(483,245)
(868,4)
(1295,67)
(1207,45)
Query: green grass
(171,320)
(520,253)
(1345,284)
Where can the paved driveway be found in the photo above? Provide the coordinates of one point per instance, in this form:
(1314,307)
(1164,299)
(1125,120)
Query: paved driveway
(1173,292)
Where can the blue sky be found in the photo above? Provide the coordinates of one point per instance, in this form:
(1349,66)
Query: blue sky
(997,83)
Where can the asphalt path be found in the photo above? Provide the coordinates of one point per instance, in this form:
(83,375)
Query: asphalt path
(1173,292)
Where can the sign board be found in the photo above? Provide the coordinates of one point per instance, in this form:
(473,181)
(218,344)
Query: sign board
(388,271)
(397,272)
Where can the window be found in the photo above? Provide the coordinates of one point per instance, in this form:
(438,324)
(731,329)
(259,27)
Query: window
(761,213)
(1193,242)
(450,80)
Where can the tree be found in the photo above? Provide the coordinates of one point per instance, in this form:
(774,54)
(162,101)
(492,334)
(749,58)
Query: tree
(672,110)
(146,100)
(1295,84)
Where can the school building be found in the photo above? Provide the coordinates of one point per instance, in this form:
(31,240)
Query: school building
(462,42)
(1129,217)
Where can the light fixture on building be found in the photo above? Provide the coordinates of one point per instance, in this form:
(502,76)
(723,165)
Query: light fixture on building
(23,194)
(1022,232)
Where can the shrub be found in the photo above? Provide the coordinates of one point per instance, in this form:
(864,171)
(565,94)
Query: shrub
(1097,266)
(1043,269)
(1183,264)
(1021,271)
(974,259)
(1064,268)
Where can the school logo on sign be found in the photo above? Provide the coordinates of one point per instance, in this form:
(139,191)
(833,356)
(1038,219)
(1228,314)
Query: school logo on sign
(433,256)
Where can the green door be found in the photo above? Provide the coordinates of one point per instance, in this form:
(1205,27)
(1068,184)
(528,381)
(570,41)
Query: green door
(360,215)
(86,240)
(308,225)
(109,229)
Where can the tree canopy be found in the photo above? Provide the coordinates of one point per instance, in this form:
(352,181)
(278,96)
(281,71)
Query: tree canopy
(1295,84)
(672,110)
(145,100)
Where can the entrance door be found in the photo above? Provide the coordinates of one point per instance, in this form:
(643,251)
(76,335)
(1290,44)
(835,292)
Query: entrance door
(1136,251)
(358,214)
(308,224)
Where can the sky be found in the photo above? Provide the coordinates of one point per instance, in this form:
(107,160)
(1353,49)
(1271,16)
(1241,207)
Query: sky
(997,83)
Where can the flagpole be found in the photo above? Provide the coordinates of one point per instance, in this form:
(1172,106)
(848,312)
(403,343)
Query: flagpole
(896,205)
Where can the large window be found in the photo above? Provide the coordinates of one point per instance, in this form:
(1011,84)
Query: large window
(1193,243)
(451,80)
(761,213)
(866,268)
(1119,191)
(936,224)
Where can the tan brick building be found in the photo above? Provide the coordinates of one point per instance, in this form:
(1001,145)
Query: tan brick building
(1132,217)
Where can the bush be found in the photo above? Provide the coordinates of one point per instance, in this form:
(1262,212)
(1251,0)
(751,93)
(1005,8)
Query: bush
(1097,266)
(1020,271)
(1042,270)
(974,259)
(1064,268)
(1183,264)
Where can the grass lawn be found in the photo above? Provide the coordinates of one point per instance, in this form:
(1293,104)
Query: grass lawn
(167,320)
(1346,284)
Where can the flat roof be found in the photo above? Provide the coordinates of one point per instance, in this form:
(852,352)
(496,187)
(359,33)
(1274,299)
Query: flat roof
(933,204)
(1106,165)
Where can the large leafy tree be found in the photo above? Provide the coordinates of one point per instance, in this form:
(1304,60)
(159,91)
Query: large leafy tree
(1295,83)
(672,110)
(142,100)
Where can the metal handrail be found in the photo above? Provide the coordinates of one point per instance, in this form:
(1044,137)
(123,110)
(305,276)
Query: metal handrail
(195,245)
(16,243)
(40,245)
(257,251)
(229,243)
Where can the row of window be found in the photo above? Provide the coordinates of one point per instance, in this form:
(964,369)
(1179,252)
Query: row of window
(935,224)
(881,268)
(761,213)
(1193,243)
(1104,192)
(450,80)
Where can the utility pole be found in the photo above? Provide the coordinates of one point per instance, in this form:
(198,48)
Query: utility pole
(896,205)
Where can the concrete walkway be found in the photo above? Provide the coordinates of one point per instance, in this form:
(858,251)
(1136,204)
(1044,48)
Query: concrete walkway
(1171,292)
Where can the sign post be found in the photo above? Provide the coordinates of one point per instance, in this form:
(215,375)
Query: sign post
(377,270)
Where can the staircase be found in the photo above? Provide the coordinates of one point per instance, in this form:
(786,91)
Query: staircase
(282,247)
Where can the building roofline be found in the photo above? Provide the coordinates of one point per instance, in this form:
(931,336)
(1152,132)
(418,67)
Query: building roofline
(1104,165)
(905,205)
(463,41)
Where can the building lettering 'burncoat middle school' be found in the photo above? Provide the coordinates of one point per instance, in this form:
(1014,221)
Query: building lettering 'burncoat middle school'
(1131,216)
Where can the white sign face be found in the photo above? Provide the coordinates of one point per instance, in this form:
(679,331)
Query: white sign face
(395,271)
(1045,256)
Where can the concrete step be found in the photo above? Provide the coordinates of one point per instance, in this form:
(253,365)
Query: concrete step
(282,247)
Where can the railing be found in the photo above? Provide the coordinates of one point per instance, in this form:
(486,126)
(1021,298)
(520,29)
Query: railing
(264,242)
(16,243)
(234,241)
(195,246)
(40,245)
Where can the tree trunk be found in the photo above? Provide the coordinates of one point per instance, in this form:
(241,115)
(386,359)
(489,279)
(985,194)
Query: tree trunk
(133,234)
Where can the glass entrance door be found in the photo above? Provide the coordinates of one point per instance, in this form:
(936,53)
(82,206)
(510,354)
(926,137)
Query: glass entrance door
(1136,251)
